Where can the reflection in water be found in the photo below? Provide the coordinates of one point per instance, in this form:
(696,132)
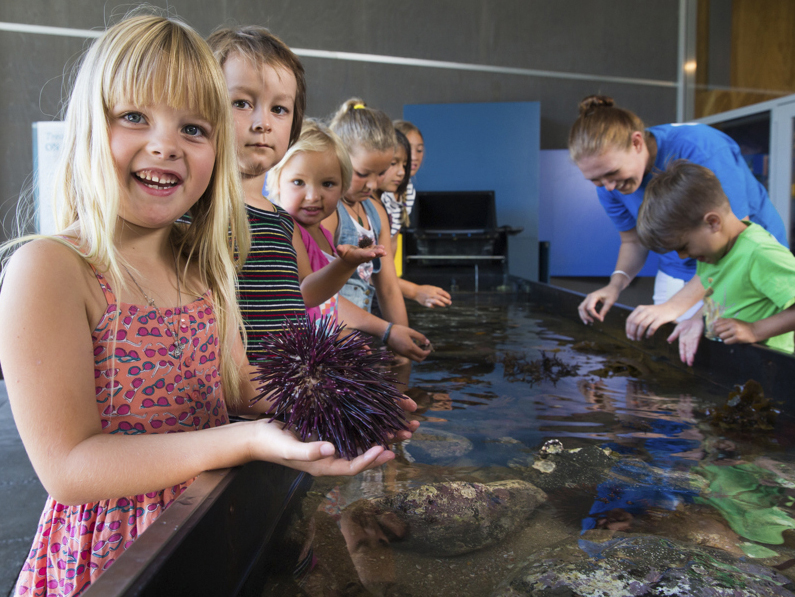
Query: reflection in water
(640,458)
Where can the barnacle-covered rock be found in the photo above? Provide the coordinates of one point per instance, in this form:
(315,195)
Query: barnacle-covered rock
(644,565)
(448,519)
(555,468)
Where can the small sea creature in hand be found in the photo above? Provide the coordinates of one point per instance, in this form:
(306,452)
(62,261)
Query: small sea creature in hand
(712,311)
(328,387)
(365,241)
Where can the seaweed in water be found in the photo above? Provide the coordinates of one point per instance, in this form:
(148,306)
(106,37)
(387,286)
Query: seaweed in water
(622,366)
(330,387)
(547,368)
(746,410)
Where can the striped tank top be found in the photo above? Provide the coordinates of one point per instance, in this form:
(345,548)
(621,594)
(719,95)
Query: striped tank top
(268,288)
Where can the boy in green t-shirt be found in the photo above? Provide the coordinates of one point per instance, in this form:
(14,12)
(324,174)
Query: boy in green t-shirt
(748,276)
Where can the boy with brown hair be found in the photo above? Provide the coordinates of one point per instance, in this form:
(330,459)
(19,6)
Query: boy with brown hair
(748,275)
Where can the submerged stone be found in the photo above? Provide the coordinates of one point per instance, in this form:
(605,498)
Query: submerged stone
(553,469)
(642,565)
(436,445)
(448,519)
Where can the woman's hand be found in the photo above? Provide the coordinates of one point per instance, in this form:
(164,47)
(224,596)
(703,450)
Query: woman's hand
(689,333)
(631,257)
(408,343)
(432,296)
(734,331)
(356,256)
(606,295)
(646,319)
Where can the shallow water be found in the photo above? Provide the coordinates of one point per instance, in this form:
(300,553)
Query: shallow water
(672,473)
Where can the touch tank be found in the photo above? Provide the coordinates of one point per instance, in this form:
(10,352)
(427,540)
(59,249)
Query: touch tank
(552,459)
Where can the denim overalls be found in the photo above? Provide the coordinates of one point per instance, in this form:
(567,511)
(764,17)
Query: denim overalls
(356,290)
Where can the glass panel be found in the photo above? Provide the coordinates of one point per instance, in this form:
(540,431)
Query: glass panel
(792,188)
(752,134)
(743,53)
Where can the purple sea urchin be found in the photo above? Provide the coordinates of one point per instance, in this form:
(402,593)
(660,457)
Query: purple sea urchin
(335,389)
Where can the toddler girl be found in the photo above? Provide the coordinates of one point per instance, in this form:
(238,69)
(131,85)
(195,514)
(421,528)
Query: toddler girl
(308,184)
(122,332)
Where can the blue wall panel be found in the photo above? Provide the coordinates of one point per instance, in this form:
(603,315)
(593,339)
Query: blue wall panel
(483,147)
(583,240)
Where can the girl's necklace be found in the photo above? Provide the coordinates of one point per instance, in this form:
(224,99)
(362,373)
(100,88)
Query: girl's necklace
(175,350)
(352,205)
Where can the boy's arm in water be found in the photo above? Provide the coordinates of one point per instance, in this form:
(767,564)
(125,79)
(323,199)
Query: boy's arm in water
(689,333)
(646,319)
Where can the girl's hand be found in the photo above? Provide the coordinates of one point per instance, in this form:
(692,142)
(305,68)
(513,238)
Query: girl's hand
(272,443)
(734,331)
(432,296)
(408,343)
(689,333)
(409,406)
(356,256)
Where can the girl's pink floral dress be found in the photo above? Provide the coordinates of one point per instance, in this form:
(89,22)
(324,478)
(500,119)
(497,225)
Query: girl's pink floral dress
(141,390)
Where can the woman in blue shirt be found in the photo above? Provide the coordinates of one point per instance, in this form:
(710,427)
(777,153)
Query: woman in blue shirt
(614,150)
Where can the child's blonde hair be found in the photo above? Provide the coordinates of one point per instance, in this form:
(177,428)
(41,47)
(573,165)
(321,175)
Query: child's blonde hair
(361,127)
(318,138)
(675,203)
(260,46)
(146,60)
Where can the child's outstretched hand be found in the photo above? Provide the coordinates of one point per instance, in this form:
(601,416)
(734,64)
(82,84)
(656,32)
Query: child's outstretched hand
(272,443)
(408,343)
(646,319)
(356,256)
(432,296)
(734,331)
(689,333)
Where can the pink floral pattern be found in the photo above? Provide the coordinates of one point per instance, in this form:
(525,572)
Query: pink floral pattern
(140,388)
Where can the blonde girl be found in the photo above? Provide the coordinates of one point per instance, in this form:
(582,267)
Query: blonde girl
(122,332)
(308,183)
(369,137)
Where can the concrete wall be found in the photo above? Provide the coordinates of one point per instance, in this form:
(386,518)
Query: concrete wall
(614,38)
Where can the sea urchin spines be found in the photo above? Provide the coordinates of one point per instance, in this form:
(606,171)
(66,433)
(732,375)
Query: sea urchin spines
(329,387)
